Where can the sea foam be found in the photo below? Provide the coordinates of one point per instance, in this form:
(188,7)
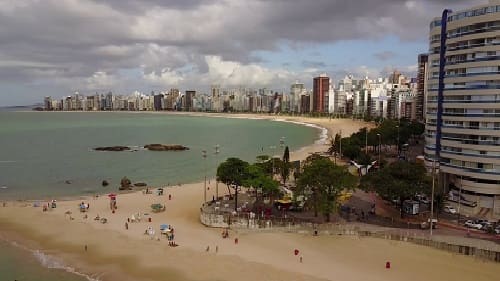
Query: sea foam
(54,263)
(49,261)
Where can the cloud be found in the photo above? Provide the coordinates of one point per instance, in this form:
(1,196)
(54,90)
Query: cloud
(91,44)
(385,55)
(317,64)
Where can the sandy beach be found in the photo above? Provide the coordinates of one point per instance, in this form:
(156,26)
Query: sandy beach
(111,252)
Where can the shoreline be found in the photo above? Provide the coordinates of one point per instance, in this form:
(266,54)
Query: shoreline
(117,253)
(38,235)
(319,145)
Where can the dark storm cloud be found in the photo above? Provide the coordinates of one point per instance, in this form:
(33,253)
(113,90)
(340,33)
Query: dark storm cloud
(69,39)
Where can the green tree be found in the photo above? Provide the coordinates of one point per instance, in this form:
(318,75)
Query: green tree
(233,172)
(324,181)
(350,149)
(257,179)
(401,180)
(334,145)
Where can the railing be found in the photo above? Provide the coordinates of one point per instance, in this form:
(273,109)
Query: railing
(290,225)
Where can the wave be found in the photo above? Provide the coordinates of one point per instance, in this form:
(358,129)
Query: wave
(323,136)
(4,187)
(49,261)
(54,263)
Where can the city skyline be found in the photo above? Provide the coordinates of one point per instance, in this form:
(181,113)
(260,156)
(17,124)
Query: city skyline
(58,47)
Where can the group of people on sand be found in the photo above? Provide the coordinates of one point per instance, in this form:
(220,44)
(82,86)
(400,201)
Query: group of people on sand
(84,207)
(50,205)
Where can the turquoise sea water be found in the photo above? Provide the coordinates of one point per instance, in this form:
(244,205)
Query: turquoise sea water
(44,154)
(40,151)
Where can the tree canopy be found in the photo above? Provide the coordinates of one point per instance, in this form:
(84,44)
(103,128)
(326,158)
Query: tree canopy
(401,180)
(232,172)
(324,181)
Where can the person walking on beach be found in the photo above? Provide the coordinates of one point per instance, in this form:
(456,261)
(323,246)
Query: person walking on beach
(126,225)
(85,247)
(216,249)
(208,249)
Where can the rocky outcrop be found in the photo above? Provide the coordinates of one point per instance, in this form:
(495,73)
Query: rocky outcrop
(140,184)
(125,184)
(105,183)
(112,148)
(165,147)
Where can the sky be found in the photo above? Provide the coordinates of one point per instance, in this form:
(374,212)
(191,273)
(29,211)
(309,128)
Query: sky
(56,47)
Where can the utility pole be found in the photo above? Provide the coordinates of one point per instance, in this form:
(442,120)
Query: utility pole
(432,193)
(217,151)
(204,155)
(366,141)
(398,137)
(273,147)
(459,200)
(340,144)
(379,147)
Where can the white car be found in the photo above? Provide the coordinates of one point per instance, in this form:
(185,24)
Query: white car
(472,224)
(449,209)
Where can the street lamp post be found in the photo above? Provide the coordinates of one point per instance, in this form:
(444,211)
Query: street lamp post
(273,148)
(204,155)
(379,147)
(340,146)
(459,200)
(366,141)
(432,193)
(217,151)
(398,139)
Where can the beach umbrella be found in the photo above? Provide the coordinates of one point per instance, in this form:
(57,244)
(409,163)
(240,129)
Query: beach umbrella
(163,226)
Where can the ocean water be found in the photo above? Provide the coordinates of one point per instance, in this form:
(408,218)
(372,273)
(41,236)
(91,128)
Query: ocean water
(49,154)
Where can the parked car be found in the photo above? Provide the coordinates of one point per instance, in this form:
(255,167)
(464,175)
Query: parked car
(488,227)
(449,209)
(472,224)
(497,230)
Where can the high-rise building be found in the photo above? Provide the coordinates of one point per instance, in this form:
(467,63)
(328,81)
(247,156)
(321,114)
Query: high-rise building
(158,102)
(321,88)
(296,90)
(47,104)
(464,134)
(188,100)
(421,87)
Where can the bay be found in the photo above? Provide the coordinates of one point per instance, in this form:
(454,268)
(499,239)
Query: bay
(50,154)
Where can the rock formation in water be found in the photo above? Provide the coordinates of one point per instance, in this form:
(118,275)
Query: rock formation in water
(165,147)
(105,183)
(112,148)
(125,184)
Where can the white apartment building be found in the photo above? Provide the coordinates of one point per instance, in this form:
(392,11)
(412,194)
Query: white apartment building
(469,142)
